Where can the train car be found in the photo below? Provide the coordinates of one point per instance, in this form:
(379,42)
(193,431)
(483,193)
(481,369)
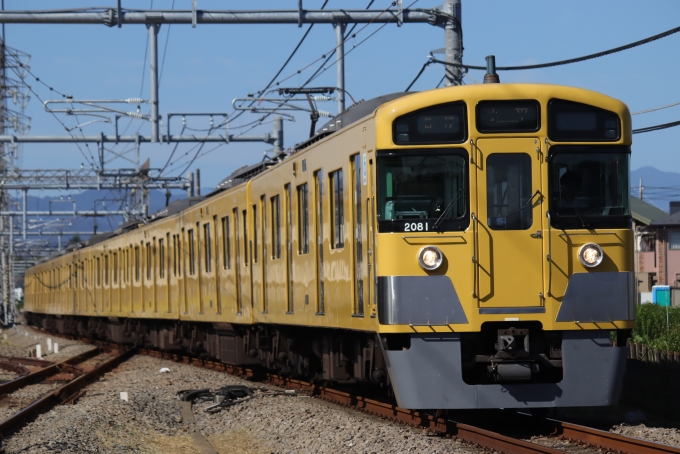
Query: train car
(465,247)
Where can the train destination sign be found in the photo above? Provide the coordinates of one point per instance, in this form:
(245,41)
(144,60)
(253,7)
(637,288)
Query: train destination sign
(508,116)
(440,124)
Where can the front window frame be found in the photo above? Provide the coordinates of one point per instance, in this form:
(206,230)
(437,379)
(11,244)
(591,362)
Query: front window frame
(449,224)
(571,222)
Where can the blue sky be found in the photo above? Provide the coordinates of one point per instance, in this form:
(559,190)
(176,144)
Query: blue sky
(206,67)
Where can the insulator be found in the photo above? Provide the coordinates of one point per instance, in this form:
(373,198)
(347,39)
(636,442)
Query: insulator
(137,115)
(134,100)
(323,113)
(322,98)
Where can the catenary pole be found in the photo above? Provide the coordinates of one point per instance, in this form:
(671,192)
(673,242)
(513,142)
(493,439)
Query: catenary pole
(153,76)
(453,36)
(340,63)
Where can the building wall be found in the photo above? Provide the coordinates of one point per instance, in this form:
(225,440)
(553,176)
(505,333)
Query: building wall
(673,263)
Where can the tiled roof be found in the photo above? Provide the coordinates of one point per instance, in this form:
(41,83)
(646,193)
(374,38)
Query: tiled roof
(669,221)
(644,212)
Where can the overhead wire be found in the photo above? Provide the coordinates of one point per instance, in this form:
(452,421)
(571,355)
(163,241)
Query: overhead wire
(656,127)
(570,60)
(655,109)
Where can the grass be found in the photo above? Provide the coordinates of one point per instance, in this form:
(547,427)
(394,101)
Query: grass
(658,328)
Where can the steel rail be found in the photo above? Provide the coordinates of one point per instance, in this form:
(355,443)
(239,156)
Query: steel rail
(16,368)
(608,440)
(64,392)
(47,371)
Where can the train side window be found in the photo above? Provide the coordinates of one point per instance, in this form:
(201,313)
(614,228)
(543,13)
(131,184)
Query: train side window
(161,258)
(99,272)
(263,210)
(303,219)
(226,243)
(106,269)
(276,227)
(174,255)
(255,233)
(115,267)
(337,210)
(245,237)
(192,252)
(508,191)
(207,248)
(180,253)
(136,263)
(149,262)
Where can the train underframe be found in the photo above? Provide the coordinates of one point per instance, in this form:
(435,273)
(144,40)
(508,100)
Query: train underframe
(505,365)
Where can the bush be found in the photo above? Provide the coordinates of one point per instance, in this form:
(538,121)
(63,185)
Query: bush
(658,328)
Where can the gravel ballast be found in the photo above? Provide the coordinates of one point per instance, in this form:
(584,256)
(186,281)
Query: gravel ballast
(150,420)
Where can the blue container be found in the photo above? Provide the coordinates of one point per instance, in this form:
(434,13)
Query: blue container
(661,295)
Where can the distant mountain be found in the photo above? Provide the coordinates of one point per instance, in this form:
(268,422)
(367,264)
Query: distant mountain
(660,188)
(85,201)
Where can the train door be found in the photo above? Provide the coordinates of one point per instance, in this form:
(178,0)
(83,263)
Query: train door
(238,269)
(370,246)
(358,181)
(508,224)
(175,274)
(290,281)
(318,231)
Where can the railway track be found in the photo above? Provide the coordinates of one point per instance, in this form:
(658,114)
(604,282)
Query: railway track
(476,433)
(68,378)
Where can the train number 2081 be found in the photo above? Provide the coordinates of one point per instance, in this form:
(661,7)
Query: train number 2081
(416,226)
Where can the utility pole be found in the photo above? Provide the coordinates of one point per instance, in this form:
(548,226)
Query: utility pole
(642,188)
(453,42)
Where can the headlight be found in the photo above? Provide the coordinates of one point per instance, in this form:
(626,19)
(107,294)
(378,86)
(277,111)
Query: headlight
(430,258)
(590,255)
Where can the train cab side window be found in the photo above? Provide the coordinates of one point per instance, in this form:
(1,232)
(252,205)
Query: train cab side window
(303,219)
(226,243)
(207,246)
(337,210)
(192,252)
(508,191)
(276,227)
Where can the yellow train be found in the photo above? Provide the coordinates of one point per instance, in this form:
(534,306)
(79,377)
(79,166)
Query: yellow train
(465,247)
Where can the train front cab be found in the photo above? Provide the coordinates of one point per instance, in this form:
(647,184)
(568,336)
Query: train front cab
(504,246)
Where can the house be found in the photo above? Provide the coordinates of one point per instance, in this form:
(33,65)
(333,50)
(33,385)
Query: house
(668,246)
(646,258)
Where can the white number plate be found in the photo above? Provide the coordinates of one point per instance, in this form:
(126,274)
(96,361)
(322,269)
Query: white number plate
(416,227)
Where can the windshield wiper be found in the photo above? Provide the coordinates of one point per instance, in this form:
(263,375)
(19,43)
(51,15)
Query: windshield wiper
(526,204)
(571,200)
(439,220)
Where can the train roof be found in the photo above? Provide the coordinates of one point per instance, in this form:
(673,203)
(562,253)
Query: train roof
(350,115)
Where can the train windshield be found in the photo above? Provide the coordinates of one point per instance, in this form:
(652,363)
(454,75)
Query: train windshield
(589,188)
(420,191)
